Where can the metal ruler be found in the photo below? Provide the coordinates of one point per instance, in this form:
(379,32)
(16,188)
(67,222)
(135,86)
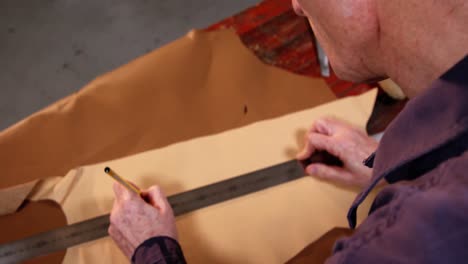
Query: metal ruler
(65,237)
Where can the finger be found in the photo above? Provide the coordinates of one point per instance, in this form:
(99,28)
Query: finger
(322,126)
(330,173)
(306,151)
(134,185)
(120,241)
(329,125)
(156,198)
(322,142)
(121,193)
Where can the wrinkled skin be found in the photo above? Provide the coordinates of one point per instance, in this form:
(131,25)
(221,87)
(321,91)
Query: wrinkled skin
(134,220)
(348,31)
(374,39)
(350,144)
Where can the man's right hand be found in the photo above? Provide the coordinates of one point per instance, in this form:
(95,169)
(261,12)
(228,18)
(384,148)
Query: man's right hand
(351,145)
(132,220)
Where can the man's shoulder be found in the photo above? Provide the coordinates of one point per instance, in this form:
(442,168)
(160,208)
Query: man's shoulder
(421,217)
(418,221)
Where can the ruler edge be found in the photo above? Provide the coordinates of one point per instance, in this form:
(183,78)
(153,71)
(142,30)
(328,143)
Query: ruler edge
(294,164)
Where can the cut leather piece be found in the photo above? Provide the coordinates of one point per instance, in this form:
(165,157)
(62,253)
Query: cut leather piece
(269,226)
(12,197)
(29,221)
(318,251)
(201,84)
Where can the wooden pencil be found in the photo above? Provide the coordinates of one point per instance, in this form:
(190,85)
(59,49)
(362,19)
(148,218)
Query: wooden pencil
(121,180)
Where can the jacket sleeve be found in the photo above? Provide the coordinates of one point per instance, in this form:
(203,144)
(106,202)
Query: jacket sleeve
(430,227)
(159,250)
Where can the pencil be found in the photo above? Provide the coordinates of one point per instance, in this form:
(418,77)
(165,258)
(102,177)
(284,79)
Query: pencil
(121,180)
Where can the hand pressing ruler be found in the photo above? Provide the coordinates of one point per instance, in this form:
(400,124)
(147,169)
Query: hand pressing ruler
(182,203)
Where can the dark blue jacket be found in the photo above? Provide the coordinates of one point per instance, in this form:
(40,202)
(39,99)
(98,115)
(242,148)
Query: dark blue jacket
(422,216)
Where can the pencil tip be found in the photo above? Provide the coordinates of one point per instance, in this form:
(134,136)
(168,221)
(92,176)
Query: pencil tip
(106,170)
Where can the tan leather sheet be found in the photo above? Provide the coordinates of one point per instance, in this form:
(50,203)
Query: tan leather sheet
(269,226)
(201,84)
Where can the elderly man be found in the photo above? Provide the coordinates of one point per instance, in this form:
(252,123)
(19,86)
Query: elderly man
(422,215)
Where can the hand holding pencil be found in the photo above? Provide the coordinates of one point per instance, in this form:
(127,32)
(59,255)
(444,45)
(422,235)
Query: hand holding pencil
(130,186)
(132,220)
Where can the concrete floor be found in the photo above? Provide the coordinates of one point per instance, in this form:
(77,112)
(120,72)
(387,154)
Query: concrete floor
(51,48)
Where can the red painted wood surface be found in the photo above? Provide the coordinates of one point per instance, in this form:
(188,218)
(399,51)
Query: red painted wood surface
(280,38)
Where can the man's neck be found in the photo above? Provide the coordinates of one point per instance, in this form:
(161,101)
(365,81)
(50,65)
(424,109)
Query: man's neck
(420,40)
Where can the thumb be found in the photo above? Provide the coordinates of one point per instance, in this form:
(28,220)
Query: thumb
(155,196)
(305,152)
(330,173)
